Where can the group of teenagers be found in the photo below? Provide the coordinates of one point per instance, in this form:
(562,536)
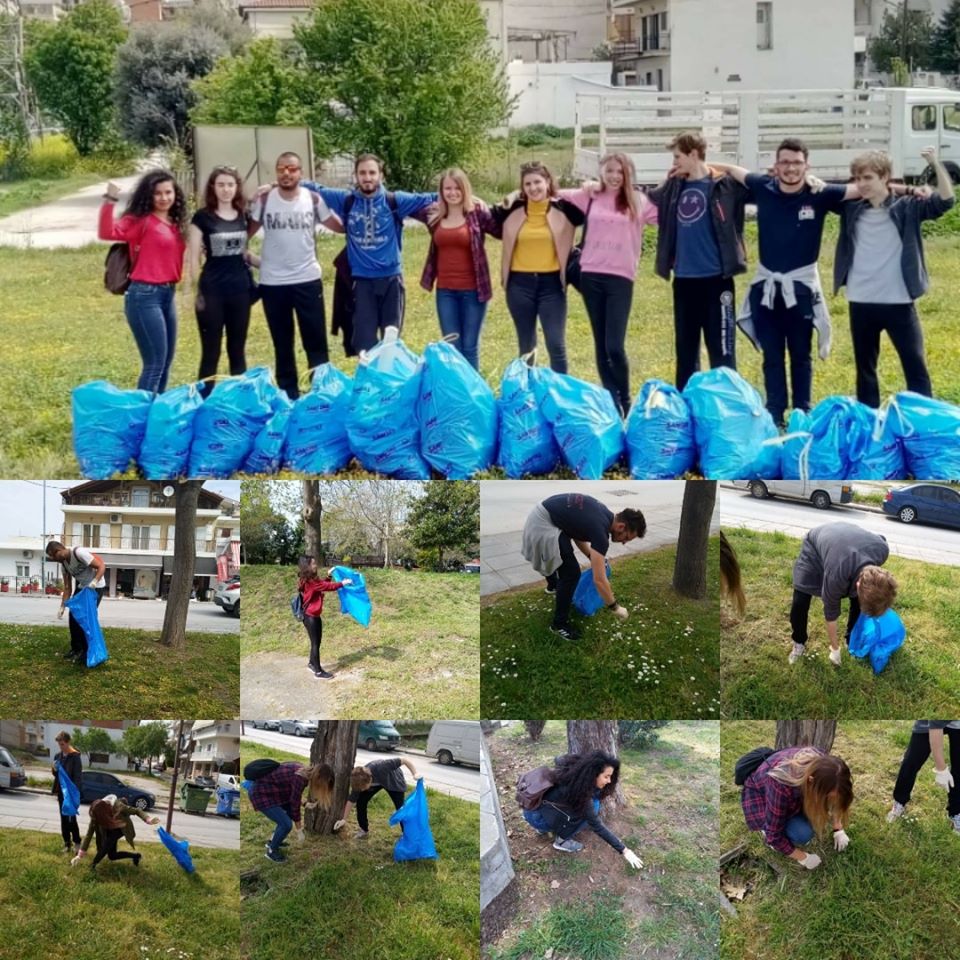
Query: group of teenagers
(699,210)
(791,796)
(110,818)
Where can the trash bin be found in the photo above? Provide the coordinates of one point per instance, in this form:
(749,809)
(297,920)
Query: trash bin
(228,802)
(194,799)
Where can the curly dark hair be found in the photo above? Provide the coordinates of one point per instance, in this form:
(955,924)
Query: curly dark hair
(303,568)
(578,772)
(141,203)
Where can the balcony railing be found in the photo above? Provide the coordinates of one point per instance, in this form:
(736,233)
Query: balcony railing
(120,498)
(146,544)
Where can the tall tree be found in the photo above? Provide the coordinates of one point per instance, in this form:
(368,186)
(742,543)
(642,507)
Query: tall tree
(312,517)
(946,40)
(535,728)
(335,743)
(803,733)
(690,567)
(379,506)
(906,34)
(174,631)
(94,740)
(445,517)
(147,740)
(586,735)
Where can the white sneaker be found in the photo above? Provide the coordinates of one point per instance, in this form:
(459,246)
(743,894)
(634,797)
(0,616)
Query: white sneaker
(955,820)
(835,657)
(796,653)
(896,812)
(361,835)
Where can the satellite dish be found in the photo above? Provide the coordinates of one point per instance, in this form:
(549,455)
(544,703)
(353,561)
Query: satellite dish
(168,491)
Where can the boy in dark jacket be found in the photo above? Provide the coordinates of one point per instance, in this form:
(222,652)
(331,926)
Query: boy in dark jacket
(69,759)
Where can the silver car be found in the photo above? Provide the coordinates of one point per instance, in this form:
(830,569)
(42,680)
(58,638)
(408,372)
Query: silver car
(227,596)
(299,728)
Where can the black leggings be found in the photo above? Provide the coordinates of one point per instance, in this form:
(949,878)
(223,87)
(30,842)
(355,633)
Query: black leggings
(109,848)
(395,795)
(918,749)
(608,300)
(564,581)
(314,627)
(800,609)
(219,313)
(69,830)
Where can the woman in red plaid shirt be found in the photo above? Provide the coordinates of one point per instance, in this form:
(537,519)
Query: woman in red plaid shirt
(792,796)
(312,589)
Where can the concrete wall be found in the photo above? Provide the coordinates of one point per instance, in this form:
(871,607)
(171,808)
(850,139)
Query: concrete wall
(496,867)
(547,91)
(584,25)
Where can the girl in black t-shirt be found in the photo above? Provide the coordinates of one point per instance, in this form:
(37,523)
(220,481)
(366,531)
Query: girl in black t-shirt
(224,287)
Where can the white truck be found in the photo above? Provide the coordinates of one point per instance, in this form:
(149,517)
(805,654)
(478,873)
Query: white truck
(12,773)
(745,127)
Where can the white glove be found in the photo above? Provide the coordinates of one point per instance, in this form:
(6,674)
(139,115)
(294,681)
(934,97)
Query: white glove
(339,825)
(811,861)
(300,835)
(60,612)
(347,583)
(632,858)
(620,612)
(76,859)
(840,839)
(944,778)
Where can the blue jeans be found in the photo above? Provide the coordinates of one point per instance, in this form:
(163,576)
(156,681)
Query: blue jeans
(284,824)
(798,830)
(152,315)
(462,313)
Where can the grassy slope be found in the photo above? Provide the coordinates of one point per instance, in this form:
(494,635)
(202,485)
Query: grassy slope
(921,676)
(142,678)
(338,897)
(890,896)
(156,912)
(420,654)
(662,663)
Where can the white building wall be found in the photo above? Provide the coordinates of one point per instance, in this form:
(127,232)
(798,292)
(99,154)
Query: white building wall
(118,761)
(547,91)
(274,23)
(584,20)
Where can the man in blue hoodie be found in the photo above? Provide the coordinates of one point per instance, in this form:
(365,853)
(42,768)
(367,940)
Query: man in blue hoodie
(373,226)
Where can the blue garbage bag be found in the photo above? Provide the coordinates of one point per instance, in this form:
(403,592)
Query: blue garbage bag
(416,841)
(70,791)
(83,609)
(354,599)
(660,442)
(457,413)
(317,432)
(930,433)
(179,849)
(877,638)
(875,449)
(267,453)
(108,427)
(248,785)
(382,421)
(226,426)
(527,444)
(165,451)
(795,452)
(830,452)
(228,802)
(585,420)
(730,424)
(586,598)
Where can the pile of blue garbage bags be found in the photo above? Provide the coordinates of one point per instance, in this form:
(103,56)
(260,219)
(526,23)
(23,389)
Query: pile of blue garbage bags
(408,416)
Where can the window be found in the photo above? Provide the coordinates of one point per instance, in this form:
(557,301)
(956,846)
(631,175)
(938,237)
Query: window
(663,20)
(140,497)
(924,118)
(91,534)
(951,117)
(765,26)
(23,569)
(140,538)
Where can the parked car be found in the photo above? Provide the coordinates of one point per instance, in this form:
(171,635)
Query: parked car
(12,773)
(227,596)
(96,784)
(924,503)
(821,493)
(299,728)
(265,724)
(472,567)
(229,780)
(378,735)
(204,781)
(455,741)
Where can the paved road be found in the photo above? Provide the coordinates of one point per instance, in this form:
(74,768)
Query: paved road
(204,617)
(736,508)
(462,782)
(505,504)
(33,811)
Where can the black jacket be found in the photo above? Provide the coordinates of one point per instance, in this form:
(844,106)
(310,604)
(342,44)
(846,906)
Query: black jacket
(72,767)
(562,818)
(727,209)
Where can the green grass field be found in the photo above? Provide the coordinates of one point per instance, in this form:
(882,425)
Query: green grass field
(142,678)
(338,897)
(891,895)
(76,332)
(758,682)
(661,663)
(32,192)
(601,908)
(419,657)
(154,912)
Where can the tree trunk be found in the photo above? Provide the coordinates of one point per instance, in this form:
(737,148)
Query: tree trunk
(174,632)
(803,733)
(312,514)
(535,728)
(335,743)
(583,736)
(690,569)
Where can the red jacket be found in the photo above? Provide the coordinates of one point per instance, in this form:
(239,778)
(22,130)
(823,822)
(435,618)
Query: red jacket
(312,592)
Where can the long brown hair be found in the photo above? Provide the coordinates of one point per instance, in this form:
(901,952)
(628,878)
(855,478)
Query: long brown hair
(102,814)
(320,781)
(626,201)
(825,783)
(210,200)
(535,166)
(731,581)
(303,569)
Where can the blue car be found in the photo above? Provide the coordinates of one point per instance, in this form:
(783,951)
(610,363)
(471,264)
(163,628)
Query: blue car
(933,503)
(96,784)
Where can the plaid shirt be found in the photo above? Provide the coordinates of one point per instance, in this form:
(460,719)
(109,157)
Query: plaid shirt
(479,222)
(282,788)
(768,804)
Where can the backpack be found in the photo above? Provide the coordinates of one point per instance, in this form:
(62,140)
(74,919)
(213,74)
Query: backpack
(532,785)
(749,762)
(296,606)
(119,264)
(574,271)
(256,769)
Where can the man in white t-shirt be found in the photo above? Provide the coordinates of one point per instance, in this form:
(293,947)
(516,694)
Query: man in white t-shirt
(81,568)
(290,276)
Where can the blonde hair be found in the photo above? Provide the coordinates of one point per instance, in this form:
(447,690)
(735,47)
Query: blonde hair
(320,781)
(825,784)
(873,160)
(876,590)
(626,198)
(360,779)
(463,182)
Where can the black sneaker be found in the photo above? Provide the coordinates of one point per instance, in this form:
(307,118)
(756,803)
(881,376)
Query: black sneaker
(136,859)
(322,674)
(71,655)
(567,631)
(275,856)
(550,591)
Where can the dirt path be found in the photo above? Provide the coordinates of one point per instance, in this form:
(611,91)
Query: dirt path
(280,685)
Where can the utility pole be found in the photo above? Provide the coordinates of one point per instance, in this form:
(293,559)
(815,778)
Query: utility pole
(173,784)
(43,545)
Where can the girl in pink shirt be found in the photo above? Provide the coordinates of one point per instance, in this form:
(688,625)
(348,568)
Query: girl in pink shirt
(613,237)
(152,226)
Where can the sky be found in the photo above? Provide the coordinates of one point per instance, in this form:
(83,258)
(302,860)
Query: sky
(21,505)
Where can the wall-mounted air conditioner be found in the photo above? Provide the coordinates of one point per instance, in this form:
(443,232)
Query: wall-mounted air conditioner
(115,518)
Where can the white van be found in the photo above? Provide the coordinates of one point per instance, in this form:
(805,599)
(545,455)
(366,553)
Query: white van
(228,780)
(821,493)
(12,773)
(455,741)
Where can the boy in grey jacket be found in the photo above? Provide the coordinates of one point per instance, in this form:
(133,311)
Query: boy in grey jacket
(839,560)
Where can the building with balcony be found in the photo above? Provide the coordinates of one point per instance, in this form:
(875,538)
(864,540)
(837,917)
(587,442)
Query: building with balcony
(274,18)
(214,748)
(130,524)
